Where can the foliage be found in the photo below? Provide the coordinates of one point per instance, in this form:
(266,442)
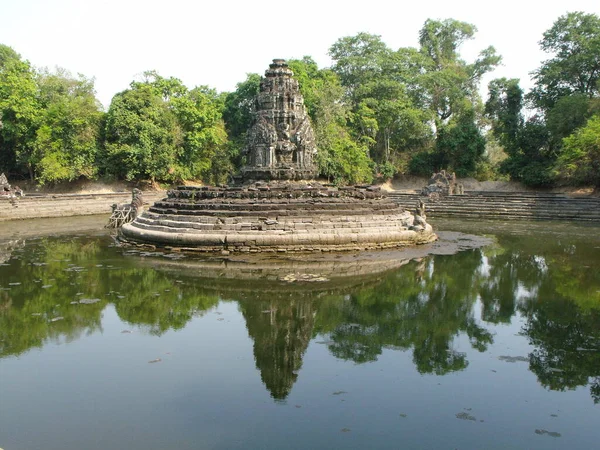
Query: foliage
(460,146)
(550,146)
(450,83)
(66,143)
(423,164)
(237,111)
(159,130)
(574,41)
(358,59)
(579,161)
(19,112)
(403,102)
(381,92)
(376,112)
(527,143)
(341,158)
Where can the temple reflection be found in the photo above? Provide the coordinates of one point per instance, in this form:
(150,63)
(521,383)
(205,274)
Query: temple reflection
(281,330)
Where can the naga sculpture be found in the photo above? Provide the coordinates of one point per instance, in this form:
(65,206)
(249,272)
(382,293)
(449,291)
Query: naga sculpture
(126,212)
(442,184)
(7,191)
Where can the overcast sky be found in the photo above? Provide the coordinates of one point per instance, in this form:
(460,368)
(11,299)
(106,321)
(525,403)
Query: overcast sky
(217,42)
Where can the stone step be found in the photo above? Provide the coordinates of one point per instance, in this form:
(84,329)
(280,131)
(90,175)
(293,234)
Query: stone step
(506,205)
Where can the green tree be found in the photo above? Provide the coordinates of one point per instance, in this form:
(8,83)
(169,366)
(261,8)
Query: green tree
(574,42)
(239,105)
(359,59)
(159,130)
(566,95)
(237,114)
(450,89)
(526,142)
(451,84)
(19,112)
(579,161)
(460,146)
(503,107)
(341,158)
(67,140)
(382,91)
(204,153)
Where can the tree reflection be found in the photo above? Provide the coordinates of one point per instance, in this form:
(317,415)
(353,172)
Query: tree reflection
(567,345)
(35,302)
(423,306)
(39,302)
(553,283)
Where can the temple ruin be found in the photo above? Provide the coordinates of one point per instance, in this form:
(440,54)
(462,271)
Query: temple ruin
(281,141)
(276,205)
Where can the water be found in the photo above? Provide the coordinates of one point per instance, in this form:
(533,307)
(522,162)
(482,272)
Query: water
(497,347)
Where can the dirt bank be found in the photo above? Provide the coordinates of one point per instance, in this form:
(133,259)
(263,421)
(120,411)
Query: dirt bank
(412,183)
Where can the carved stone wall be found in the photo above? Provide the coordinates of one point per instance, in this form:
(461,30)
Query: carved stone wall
(281,141)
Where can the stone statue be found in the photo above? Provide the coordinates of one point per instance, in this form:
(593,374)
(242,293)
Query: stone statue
(7,191)
(420,223)
(442,184)
(127,212)
(281,141)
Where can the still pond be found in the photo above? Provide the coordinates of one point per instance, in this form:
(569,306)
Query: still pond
(103,347)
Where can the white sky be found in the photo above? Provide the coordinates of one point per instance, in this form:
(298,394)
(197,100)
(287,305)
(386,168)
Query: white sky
(216,43)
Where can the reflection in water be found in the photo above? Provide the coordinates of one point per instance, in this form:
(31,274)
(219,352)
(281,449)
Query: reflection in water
(281,330)
(422,307)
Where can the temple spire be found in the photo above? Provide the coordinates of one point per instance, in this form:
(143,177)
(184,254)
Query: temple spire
(281,141)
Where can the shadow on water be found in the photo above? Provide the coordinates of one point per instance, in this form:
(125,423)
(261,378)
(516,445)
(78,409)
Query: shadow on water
(54,289)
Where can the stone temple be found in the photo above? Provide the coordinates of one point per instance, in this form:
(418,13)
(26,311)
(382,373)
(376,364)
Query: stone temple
(275,205)
(281,142)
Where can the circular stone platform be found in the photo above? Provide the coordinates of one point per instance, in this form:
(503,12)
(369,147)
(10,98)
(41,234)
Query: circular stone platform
(277,217)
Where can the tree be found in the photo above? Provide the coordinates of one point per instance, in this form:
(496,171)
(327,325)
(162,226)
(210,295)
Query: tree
(358,59)
(342,158)
(574,41)
(141,135)
(67,140)
(460,146)
(159,130)
(19,112)
(579,161)
(204,154)
(449,91)
(566,95)
(237,115)
(503,107)
(383,96)
(450,83)
(239,104)
(527,143)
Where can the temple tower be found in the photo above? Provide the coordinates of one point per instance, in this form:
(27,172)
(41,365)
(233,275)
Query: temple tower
(281,141)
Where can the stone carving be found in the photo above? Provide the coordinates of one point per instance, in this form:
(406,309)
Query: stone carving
(7,191)
(281,141)
(126,212)
(442,184)
(420,221)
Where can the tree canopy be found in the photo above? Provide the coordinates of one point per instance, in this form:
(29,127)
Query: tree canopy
(377,111)
(555,144)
